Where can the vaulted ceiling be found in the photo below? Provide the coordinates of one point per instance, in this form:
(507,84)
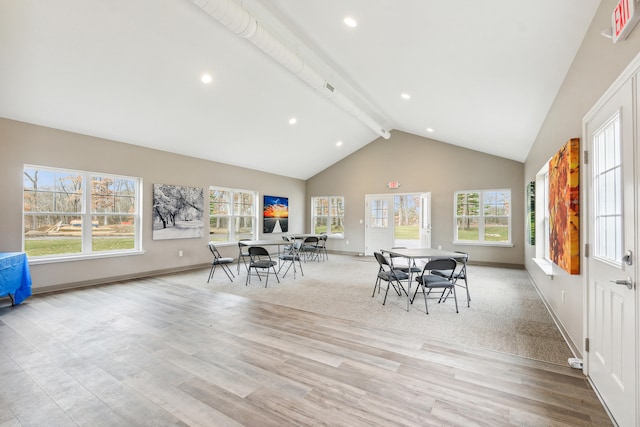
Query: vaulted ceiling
(478,74)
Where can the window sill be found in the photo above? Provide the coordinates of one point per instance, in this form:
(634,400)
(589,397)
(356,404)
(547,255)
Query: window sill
(545,265)
(81,257)
(476,243)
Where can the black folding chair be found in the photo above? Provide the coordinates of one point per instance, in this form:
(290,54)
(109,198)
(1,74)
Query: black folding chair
(243,255)
(219,260)
(388,274)
(459,275)
(290,256)
(261,260)
(310,248)
(429,281)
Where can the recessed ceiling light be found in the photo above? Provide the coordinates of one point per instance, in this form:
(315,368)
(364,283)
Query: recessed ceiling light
(430,130)
(405,96)
(339,144)
(292,121)
(206,78)
(350,22)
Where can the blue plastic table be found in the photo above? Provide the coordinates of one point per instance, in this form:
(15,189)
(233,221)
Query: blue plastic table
(15,278)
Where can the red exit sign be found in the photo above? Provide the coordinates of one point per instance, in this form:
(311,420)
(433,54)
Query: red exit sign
(623,19)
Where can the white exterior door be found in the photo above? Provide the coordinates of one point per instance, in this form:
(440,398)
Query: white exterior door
(610,188)
(378,223)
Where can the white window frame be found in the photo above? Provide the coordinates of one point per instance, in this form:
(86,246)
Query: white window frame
(546,221)
(329,216)
(482,194)
(542,255)
(606,184)
(86,214)
(233,215)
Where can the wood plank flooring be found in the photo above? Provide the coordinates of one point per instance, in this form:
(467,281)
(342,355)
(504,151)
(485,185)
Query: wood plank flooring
(152,353)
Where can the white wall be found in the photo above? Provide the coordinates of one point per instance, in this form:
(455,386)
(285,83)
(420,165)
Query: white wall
(596,65)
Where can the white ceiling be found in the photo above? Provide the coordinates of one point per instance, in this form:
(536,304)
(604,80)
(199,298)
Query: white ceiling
(482,74)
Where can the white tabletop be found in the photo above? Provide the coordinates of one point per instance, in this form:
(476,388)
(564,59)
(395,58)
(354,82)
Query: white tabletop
(264,242)
(430,253)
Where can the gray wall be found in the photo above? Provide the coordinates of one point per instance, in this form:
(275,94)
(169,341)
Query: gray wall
(23,143)
(597,64)
(422,165)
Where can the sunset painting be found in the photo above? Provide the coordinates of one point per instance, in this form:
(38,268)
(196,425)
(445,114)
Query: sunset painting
(564,207)
(275,215)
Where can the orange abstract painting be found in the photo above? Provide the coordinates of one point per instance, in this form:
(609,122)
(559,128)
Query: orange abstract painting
(564,207)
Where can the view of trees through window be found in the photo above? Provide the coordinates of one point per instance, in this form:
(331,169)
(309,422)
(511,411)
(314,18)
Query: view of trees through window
(483,216)
(232,214)
(57,223)
(328,215)
(407,217)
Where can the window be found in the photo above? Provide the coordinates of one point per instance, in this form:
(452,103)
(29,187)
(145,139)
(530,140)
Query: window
(379,214)
(607,192)
(327,215)
(483,216)
(62,218)
(543,255)
(546,222)
(232,214)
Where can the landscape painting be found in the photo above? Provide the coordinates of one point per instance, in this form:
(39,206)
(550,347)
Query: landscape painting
(177,212)
(564,207)
(275,215)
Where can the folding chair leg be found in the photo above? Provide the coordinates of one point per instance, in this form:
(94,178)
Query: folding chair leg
(287,270)
(241,258)
(466,287)
(301,270)
(424,293)
(455,298)
(386,293)
(213,269)
(228,271)
(249,276)
(274,272)
(395,288)
(416,292)
(376,285)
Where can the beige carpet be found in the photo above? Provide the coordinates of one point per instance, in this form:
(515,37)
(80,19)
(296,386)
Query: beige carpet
(506,313)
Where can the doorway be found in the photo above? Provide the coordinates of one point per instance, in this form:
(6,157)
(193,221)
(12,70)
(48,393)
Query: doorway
(393,220)
(610,273)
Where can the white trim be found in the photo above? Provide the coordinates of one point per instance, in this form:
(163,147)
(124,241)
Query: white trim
(627,73)
(53,260)
(545,265)
(482,243)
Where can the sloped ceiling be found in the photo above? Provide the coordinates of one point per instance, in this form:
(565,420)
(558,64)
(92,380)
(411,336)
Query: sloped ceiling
(481,74)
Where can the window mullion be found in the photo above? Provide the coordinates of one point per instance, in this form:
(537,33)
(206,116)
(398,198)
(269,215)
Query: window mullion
(86,214)
(481,217)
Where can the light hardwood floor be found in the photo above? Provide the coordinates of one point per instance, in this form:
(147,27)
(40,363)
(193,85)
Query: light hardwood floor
(147,352)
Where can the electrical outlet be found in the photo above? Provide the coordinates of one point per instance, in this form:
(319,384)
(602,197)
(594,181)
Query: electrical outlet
(562,294)
(346,242)
(179,253)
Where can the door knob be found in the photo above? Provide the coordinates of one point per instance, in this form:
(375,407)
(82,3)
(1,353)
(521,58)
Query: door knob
(627,282)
